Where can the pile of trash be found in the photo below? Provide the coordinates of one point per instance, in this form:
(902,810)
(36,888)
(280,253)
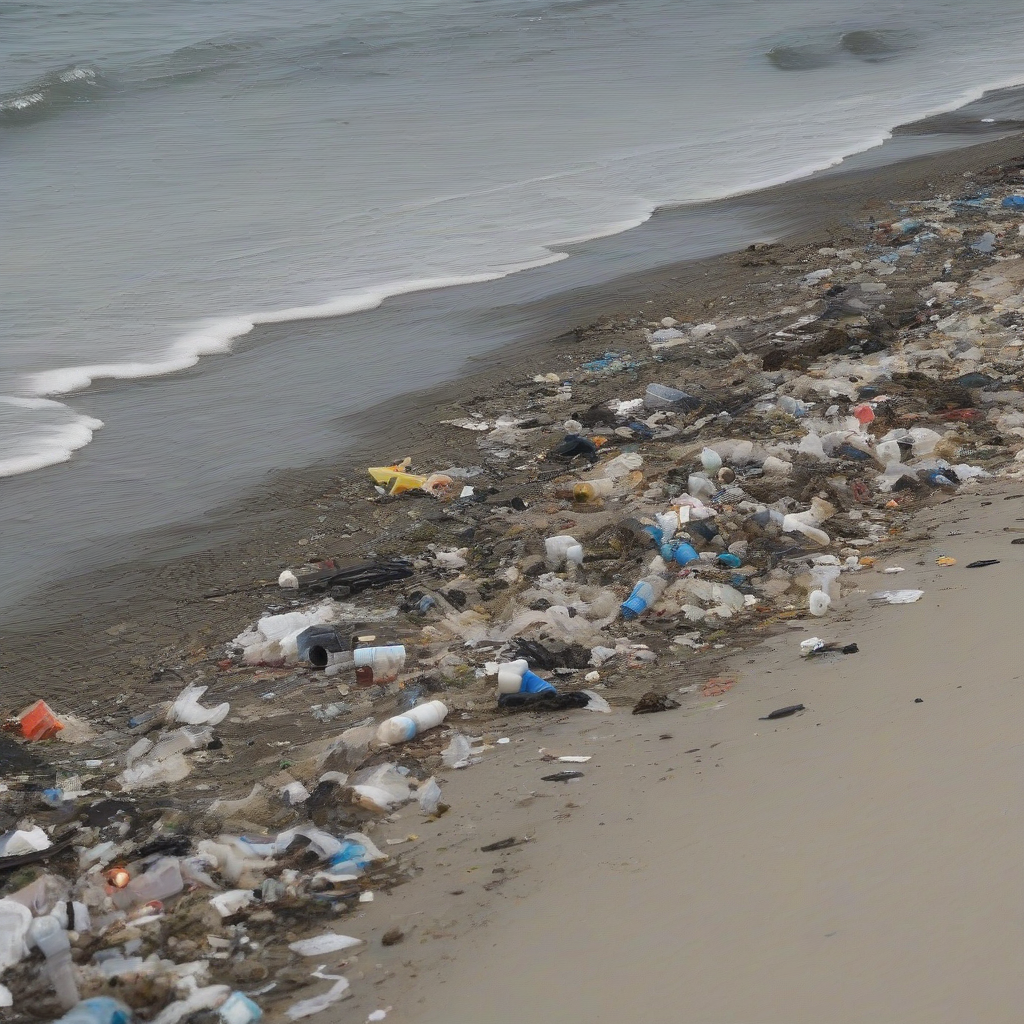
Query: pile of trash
(680,487)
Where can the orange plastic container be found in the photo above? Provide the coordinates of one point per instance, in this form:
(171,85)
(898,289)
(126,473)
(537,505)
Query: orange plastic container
(38,722)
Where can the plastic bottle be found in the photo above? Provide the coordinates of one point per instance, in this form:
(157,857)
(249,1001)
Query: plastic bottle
(161,881)
(682,553)
(819,602)
(52,940)
(516,677)
(239,1009)
(403,728)
(378,664)
(805,523)
(101,1010)
(563,549)
(644,594)
(592,490)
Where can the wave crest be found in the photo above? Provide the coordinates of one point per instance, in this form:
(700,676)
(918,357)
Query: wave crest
(54,92)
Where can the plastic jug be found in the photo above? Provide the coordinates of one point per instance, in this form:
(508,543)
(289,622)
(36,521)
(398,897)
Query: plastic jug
(378,664)
(403,728)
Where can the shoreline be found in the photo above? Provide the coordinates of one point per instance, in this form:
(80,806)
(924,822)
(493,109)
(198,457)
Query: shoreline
(848,316)
(123,514)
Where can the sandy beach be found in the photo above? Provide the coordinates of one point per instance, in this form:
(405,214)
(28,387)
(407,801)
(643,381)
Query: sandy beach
(857,862)
(854,861)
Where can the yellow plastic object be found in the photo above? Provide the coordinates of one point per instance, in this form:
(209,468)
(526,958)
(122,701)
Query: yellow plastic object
(945,560)
(394,480)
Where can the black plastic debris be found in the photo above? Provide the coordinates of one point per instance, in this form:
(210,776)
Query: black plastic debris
(543,701)
(783,713)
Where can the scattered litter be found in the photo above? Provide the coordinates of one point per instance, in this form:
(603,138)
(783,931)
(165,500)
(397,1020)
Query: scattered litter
(652,702)
(981,563)
(562,777)
(896,596)
(783,712)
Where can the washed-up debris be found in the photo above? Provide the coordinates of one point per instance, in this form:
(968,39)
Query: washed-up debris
(676,489)
(896,596)
(981,563)
(566,776)
(792,709)
(652,702)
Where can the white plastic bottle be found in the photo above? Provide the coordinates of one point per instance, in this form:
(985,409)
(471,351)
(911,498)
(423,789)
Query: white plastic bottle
(403,728)
(819,602)
(52,940)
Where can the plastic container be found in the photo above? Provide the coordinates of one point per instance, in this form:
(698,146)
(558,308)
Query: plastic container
(710,460)
(403,728)
(52,941)
(729,559)
(516,677)
(592,490)
(239,1009)
(563,549)
(660,396)
(681,553)
(161,881)
(376,665)
(644,594)
(510,675)
(101,1010)
(317,643)
(38,722)
(819,602)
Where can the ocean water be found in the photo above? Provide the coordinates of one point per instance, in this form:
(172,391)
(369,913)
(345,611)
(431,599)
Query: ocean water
(177,172)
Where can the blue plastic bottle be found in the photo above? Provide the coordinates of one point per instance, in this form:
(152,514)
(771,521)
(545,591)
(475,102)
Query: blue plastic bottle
(101,1010)
(533,683)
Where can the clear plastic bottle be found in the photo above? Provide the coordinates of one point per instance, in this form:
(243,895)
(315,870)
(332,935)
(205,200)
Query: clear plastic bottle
(52,940)
(160,882)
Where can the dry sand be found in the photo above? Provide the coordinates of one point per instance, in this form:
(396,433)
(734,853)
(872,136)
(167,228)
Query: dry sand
(859,862)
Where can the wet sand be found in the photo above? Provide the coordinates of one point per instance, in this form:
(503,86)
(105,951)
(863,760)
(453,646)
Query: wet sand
(857,862)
